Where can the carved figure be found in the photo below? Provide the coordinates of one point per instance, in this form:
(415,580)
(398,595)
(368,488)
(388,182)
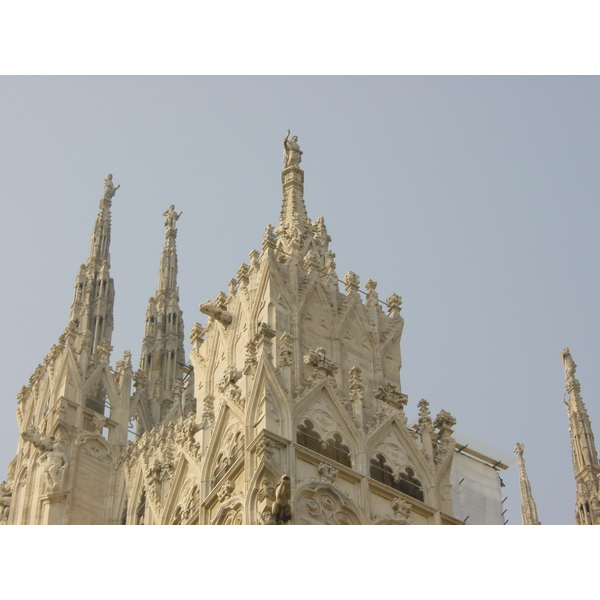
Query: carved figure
(210,309)
(109,188)
(55,466)
(292,155)
(281,509)
(32,435)
(172,217)
(568,363)
(5,497)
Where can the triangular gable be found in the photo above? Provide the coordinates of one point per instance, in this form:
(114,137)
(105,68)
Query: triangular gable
(323,394)
(269,275)
(266,381)
(225,419)
(406,442)
(315,293)
(354,312)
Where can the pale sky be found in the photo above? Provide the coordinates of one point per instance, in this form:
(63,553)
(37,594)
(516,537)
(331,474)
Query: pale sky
(474,198)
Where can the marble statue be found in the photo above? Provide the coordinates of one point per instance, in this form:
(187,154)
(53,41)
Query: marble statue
(292,155)
(281,509)
(209,308)
(172,217)
(5,498)
(568,362)
(109,188)
(56,464)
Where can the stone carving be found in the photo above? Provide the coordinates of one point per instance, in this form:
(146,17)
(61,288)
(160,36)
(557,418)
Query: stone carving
(5,499)
(401,508)
(351,282)
(264,450)
(324,419)
(103,349)
(98,422)
(243,275)
(96,450)
(325,506)
(189,406)
(208,410)
(40,442)
(250,360)
(109,188)
(327,472)
(265,333)
(221,315)
(227,386)
(444,423)
(323,366)
(393,303)
(269,240)
(356,387)
(286,357)
(54,466)
(569,364)
(225,491)
(372,295)
(388,394)
(292,155)
(281,509)
(171,217)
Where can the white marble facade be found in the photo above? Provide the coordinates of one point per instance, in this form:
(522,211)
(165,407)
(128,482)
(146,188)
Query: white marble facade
(290,410)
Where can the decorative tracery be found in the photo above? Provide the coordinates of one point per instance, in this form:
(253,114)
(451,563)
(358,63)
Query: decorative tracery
(403,481)
(333,447)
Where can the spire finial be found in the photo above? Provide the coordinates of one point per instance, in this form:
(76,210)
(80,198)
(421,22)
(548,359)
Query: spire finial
(109,188)
(171,219)
(292,155)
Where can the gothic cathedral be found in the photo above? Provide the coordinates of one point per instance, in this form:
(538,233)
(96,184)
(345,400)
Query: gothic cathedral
(289,410)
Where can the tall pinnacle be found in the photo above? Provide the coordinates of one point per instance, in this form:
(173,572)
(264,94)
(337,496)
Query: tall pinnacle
(162,348)
(92,308)
(583,449)
(528,507)
(293,221)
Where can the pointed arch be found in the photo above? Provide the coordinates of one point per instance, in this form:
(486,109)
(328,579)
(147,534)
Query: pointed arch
(394,459)
(321,406)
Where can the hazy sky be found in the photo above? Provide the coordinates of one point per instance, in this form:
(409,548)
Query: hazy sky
(474,198)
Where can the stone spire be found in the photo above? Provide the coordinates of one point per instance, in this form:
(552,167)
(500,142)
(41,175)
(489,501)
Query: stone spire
(583,449)
(293,221)
(163,354)
(92,308)
(528,508)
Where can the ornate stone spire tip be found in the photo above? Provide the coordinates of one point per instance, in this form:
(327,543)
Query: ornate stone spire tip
(171,218)
(109,188)
(292,155)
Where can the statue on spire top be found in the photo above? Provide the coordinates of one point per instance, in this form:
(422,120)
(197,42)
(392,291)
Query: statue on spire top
(292,155)
(109,188)
(568,363)
(172,217)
